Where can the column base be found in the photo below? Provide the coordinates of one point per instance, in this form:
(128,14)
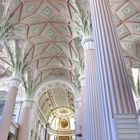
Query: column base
(127,127)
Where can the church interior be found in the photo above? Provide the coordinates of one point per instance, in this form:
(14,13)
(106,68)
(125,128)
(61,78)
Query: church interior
(69,69)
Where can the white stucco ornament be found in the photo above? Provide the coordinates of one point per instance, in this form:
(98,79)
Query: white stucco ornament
(87,43)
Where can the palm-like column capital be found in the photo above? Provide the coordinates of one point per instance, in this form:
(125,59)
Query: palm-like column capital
(31,81)
(82,19)
(17,57)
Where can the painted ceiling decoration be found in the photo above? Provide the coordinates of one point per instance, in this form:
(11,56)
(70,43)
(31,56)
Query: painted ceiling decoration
(44,28)
(127,19)
(55,98)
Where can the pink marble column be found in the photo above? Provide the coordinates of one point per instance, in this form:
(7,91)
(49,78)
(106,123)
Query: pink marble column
(92,115)
(8,110)
(25,120)
(113,80)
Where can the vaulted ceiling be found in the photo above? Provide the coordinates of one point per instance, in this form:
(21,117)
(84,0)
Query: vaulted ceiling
(46,26)
(56,98)
(127,19)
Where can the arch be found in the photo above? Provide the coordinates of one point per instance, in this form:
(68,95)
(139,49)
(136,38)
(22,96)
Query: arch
(57,82)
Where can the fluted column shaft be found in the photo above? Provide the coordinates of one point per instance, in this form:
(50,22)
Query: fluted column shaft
(113,79)
(77,117)
(82,92)
(92,126)
(25,120)
(112,69)
(8,110)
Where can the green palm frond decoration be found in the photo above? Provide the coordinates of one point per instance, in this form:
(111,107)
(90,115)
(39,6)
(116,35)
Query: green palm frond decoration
(82,19)
(136,86)
(79,64)
(30,82)
(78,61)
(19,64)
(5,29)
